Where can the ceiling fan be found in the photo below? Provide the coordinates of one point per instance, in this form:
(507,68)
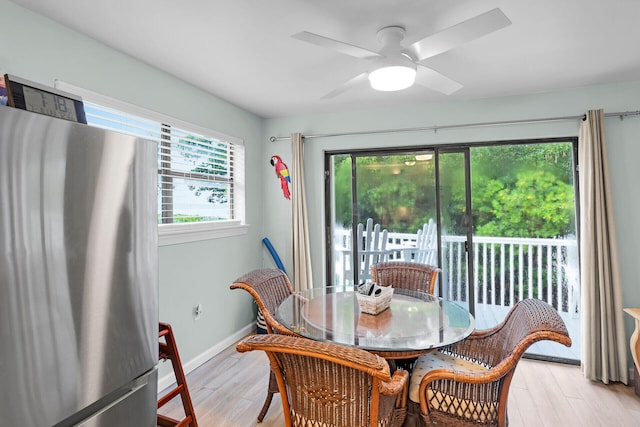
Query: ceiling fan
(397,66)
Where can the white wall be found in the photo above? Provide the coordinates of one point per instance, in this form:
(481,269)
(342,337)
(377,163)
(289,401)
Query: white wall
(40,50)
(623,142)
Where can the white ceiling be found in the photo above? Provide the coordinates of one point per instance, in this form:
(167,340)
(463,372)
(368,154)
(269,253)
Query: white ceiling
(242,50)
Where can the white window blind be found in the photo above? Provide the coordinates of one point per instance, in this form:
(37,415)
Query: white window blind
(200,172)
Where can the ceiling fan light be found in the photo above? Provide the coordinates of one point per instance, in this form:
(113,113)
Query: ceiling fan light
(392,78)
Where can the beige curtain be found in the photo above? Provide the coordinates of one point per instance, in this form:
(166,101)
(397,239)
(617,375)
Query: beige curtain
(604,346)
(299,228)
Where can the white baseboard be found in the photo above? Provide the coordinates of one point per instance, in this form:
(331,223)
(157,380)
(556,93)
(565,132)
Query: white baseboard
(203,357)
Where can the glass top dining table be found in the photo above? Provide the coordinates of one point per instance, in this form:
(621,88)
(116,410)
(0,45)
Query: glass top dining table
(415,323)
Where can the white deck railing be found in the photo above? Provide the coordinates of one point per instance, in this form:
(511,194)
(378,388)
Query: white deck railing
(506,270)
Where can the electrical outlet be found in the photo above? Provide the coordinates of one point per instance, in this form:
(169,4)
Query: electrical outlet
(197,311)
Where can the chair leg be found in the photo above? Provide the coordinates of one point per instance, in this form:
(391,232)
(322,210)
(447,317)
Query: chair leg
(265,407)
(168,350)
(273,389)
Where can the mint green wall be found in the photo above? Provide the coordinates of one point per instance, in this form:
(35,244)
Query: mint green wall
(623,142)
(40,50)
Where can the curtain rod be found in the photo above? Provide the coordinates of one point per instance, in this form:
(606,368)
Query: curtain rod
(466,125)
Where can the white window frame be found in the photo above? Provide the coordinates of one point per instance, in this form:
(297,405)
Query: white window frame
(171,234)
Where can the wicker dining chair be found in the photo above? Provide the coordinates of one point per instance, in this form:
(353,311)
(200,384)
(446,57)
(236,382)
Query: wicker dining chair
(467,383)
(406,275)
(269,287)
(327,384)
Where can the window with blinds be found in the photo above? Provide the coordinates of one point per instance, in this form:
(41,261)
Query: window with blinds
(197,173)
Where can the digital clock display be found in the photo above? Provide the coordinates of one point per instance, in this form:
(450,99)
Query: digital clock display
(50,104)
(37,98)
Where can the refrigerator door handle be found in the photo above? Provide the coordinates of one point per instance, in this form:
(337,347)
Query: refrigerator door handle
(137,384)
(87,418)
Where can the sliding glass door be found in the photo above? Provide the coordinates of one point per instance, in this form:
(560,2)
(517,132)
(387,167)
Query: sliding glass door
(524,242)
(503,219)
(379,201)
(455,226)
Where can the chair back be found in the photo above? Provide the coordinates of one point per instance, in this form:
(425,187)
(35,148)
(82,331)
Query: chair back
(529,321)
(372,247)
(427,244)
(328,384)
(406,275)
(269,287)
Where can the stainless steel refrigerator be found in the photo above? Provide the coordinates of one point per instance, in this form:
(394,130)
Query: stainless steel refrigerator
(78,275)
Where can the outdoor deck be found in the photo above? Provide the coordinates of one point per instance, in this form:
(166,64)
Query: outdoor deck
(506,270)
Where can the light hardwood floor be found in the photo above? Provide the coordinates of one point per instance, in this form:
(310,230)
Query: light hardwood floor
(229,390)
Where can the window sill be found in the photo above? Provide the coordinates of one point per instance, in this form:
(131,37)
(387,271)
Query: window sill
(173,234)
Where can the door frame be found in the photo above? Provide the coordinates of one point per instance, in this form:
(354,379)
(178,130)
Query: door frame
(466,151)
(437,150)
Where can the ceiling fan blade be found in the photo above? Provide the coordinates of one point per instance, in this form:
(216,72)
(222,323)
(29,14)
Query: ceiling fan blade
(338,46)
(349,84)
(434,80)
(459,34)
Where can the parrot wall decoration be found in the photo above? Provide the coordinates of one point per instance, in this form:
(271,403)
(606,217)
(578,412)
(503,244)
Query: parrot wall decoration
(282,172)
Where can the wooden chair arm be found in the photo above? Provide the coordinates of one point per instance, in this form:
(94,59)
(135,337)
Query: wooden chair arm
(277,328)
(399,387)
(488,376)
(397,384)
(273,326)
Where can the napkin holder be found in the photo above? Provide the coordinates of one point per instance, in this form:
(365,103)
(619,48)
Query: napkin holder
(375,304)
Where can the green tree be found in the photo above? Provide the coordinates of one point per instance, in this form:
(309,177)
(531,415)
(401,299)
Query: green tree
(396,194)
(209,159)
(522,190)
(537,204)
